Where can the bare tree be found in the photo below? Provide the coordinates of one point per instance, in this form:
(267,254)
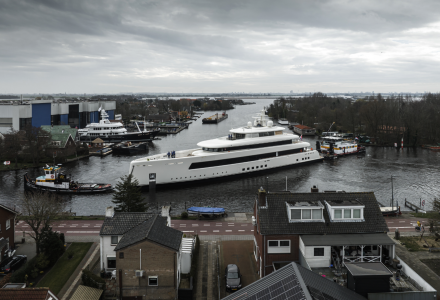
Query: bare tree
(36,141)
(39,210)
(13,145)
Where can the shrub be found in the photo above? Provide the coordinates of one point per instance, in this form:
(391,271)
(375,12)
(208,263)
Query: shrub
(184,215)
(42,262)
(90,279)
(70,254)
(19,275)
(34,273)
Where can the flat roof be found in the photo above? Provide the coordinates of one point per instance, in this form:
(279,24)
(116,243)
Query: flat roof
(345,202)
(368,269)
(304,203)
(347,239)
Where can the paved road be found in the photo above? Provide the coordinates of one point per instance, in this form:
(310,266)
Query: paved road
(202,227)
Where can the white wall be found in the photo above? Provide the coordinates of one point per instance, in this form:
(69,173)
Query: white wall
(416,277)
(317,261)
(13,111)
(107,248)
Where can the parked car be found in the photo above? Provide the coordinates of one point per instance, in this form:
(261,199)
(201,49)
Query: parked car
(233,278)
(12,263)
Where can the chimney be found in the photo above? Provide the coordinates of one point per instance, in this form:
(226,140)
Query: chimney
(166,213)
(314,189)
(261,197)
(109,212)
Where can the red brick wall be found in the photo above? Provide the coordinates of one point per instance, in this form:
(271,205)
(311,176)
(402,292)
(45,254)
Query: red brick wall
(268,259)
(7,233)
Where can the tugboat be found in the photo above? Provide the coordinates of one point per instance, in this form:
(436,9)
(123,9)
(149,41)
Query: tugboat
(57,182)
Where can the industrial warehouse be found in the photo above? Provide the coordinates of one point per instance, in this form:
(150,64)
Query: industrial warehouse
(19,113)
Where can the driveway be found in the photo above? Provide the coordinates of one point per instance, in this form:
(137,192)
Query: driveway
(241,254)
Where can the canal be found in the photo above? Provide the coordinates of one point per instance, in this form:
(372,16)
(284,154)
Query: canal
(416,174)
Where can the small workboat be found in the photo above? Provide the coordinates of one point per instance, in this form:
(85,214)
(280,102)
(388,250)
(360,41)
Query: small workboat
(390,211)
(129,148)
(57,182)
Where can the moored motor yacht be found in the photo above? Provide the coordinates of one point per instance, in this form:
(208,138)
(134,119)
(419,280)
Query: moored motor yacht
(114,132)
(253,148)
(337,145)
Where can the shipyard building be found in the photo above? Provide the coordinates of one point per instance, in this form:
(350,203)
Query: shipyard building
(77,113)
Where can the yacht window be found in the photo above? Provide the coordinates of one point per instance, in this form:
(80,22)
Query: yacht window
(239,136)
(264,134)
(252,168)
(271,133)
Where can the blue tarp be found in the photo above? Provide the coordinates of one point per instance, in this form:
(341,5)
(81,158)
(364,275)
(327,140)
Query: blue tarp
(206,210)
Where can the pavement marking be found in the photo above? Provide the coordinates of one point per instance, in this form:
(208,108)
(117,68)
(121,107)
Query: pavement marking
(215,230)
(207,225)
(241,230)
(218,225)
(228,230)
(203,231)
(80,273)
(60,226)
(252,230)
(401,227)
(182,225)
(231,225)
(244,224)
(188,231)
(402,221)
(195,224)
(390,222)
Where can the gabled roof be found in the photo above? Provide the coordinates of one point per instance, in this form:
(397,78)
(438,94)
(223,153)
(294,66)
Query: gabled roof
(299,126)
(294,282)
(275,220)
(155,230)
(121,222)
(86,292)
(8,209)
(61,133)
(27,294)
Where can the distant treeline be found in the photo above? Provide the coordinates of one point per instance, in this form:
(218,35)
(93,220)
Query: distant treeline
(385,120)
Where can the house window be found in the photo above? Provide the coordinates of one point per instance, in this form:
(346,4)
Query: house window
(338,213)
(152,281)
(121,254)
(111,262)
(319,252)
(356,213)
(114,239)
(347,213)
(8,224)
(278,246)
(306,214)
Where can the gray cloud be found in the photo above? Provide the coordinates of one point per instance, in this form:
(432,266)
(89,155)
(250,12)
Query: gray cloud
(218,46)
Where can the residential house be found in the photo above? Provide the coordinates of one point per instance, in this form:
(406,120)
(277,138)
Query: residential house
(144,251)
(7,231)
(316,229)
(112,230)
(303,129)
(43,293)
(63,139)
(294,282)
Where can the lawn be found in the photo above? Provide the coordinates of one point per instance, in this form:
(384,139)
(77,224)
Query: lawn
(428,215)
(64,268)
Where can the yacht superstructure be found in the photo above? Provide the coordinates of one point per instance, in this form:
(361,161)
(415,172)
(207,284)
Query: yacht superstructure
(113,131)
(256,147)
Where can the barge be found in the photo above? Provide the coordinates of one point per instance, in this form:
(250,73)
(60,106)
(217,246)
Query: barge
(215,119)
(56,182)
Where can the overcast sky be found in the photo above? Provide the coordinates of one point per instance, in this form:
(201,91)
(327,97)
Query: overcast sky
(109,46)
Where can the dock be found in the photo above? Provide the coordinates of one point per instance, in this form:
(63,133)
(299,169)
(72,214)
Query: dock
(215,119)
(414,207)
(101,152)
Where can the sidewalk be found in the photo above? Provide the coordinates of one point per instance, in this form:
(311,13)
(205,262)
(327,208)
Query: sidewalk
(75,279)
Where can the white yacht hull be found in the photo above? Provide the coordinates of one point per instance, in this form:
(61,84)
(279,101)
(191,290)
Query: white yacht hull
(177,170)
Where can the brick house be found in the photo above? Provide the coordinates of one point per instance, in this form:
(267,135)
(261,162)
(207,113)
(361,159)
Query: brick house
(303,130)
(43,293)
(63,139)
(314,229)
(145,253)
(7,231)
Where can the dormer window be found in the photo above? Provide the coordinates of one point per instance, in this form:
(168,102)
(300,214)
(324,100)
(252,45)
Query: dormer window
(305,211)
(345,210)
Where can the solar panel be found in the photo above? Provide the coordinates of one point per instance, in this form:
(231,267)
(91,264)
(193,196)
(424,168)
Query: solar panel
(288,288)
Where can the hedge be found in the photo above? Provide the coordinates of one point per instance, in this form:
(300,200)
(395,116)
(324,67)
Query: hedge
(92,280)
(19,276)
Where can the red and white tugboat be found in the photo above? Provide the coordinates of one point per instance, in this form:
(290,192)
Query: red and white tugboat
(56,181)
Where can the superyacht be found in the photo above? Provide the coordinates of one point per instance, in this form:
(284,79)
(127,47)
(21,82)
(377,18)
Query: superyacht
(114,132)
(257,147)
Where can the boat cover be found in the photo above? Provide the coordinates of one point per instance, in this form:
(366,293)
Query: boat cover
(206,210)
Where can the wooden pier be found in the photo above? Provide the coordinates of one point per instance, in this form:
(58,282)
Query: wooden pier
(414,207)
